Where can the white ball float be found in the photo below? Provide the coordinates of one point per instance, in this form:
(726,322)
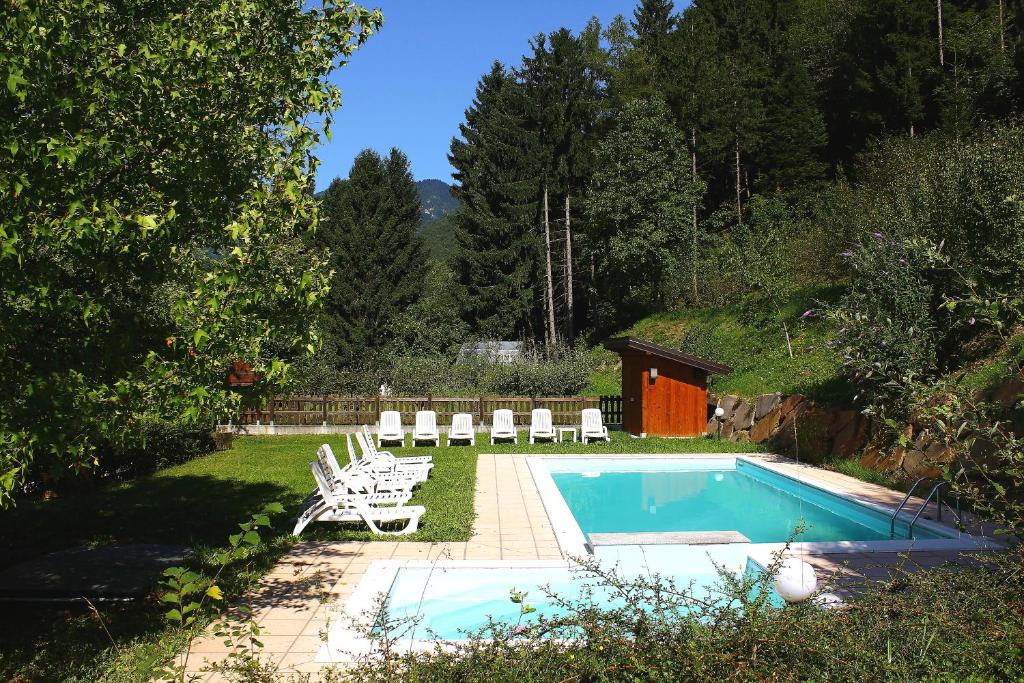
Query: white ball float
(796,580)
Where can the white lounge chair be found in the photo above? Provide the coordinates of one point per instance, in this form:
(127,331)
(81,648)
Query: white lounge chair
(334,505)
(383,462)
(364,480)
(541,426)
(462,429)
(390,428)
(592,429)
(426,427)
(503,426)
(374,451)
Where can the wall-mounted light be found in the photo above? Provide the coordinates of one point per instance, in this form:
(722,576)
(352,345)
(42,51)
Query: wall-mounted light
(654,373)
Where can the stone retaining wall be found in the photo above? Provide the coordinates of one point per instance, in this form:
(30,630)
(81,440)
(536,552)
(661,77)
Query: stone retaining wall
(795,425)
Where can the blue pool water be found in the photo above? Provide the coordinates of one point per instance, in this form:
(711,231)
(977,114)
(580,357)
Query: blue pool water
(764,506)
(448,603)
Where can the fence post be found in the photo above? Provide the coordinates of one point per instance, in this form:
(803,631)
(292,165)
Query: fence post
(271,411)
(480,407)
(324,408)
(430,401)
(376,410)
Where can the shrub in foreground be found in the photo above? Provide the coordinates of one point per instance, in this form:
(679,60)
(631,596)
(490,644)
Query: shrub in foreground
(939,624)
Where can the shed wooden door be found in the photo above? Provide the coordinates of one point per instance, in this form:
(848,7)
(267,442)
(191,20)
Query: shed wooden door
(675,403)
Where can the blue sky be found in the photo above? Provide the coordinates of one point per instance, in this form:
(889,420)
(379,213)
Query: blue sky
(409,86)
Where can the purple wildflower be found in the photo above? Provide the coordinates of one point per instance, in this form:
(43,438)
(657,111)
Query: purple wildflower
(519,630)
(971,321)
(841,330)
(878,235)
(847,254)
(806,314)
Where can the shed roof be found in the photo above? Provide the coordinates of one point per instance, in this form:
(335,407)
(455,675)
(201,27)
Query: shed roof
(620,344)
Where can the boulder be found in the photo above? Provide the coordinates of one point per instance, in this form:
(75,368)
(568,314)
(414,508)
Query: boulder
(916,464)
(766,426)
(851,438)
(841,420)
(804,433)
(1007,393)
(939,453)
(881,460)
(788,404)
(728,404)
(743,415)
(727,430)
(765,404)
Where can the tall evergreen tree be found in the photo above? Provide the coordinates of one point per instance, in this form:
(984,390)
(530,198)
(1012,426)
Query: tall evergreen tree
(564,99)
(379,264)
(496,170)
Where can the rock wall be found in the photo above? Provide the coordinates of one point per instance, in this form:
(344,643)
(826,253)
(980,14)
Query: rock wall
(794,425)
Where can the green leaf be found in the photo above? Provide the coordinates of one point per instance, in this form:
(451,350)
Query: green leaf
(173,615)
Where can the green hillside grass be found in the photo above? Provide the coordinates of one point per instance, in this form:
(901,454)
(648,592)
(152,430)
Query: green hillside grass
(752,343)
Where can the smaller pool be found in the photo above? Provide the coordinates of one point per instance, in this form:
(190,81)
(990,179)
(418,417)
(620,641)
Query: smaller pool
(712,495)
(448,602)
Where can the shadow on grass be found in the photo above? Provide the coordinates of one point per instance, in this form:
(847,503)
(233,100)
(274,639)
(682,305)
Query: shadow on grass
(185,510)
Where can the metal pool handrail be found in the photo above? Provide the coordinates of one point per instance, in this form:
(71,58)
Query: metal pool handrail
(938,504)
(896,512)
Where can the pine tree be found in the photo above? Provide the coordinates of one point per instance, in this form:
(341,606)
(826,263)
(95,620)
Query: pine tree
(368,229)
(495,165)
(564,98)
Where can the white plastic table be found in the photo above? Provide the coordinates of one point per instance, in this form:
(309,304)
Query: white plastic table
(562,431)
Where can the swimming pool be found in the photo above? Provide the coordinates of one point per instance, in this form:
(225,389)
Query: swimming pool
(451,600)
(618,496)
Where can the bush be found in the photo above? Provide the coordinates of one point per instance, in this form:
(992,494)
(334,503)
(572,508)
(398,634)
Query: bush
(940,624)
(941,222)
(153,445)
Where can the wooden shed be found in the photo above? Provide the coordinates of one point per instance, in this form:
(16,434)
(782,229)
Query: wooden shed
(664,391)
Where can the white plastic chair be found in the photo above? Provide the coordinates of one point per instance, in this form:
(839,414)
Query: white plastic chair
(372,452)
(503,426)
(364,479)
(592,428)
(540,425)
(383,462)
(426,427)
(334,505)
(390,427)
(462,429)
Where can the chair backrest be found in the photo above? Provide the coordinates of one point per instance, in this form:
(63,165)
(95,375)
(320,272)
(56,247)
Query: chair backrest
(325,484)
(591,419)
(540,419)
(426,421)
(390,422)
(353,456)
(502,420)
(462,423)
(328,463)
(366,446)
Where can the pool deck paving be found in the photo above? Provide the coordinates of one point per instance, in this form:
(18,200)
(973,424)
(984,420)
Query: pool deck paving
(298,600)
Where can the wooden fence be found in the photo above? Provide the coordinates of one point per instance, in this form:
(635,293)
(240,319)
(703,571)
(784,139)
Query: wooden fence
(360,410)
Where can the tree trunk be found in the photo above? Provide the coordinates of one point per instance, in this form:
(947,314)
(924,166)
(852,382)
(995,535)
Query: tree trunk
(693,176)
(942,52)
(1002,28)
(551,285)
(739,185)
(569,331)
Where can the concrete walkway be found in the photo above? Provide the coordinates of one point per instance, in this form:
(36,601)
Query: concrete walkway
(305,593)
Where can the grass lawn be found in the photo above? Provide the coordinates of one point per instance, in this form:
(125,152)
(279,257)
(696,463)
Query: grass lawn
(198,504)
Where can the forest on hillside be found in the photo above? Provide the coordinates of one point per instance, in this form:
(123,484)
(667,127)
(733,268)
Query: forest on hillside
(748,155)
